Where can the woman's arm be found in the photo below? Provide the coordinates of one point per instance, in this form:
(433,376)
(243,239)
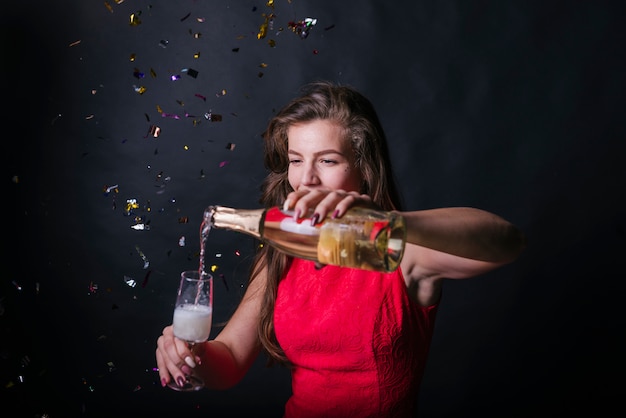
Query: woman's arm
(465,232)
(454,243)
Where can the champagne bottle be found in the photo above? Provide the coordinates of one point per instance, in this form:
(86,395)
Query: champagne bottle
(362,238)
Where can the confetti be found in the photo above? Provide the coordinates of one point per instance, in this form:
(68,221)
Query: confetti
(93,287)
(108,189)
(191,72)
(134,19)
(302,27)
(130,205)
(213,117)
(130,282)
(146,263)
(145,278)
(154,130)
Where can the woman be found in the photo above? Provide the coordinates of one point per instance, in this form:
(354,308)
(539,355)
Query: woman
(356,341)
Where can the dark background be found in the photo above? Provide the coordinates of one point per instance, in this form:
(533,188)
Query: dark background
(516,107)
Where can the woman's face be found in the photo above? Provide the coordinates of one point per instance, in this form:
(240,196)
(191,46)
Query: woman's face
(319,157)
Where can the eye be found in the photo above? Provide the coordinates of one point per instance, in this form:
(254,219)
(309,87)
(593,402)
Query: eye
(294,161)
(328,162)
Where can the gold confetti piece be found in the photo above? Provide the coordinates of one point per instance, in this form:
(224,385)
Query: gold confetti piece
(159,109)
(108,6)
(152,73)
(263,65)
(140,89)
(196,55)
(75,43)
(130,205)
(262,30)
(132,57)
(134,19)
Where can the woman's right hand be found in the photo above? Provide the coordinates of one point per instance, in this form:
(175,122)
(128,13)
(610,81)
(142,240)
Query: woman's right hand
(174,359)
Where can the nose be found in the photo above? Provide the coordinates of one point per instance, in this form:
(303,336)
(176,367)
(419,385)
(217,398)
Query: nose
(309,176)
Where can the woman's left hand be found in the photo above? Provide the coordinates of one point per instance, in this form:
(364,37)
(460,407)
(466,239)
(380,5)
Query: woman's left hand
(324,202)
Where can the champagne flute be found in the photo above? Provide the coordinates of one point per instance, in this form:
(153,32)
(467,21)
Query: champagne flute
(193,315)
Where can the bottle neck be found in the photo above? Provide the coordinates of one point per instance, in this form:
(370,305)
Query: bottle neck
(247,221)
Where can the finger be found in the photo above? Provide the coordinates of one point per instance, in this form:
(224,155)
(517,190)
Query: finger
(164,375)
(293,197)
(172,353)
(306,201)
(349,200)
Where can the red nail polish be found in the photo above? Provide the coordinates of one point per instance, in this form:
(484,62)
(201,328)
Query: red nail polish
(315,218)
(335,213)
(163,382)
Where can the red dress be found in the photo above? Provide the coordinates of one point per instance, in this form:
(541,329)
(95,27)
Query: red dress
(357,342)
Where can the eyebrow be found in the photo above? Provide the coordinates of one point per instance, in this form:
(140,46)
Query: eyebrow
(317,154)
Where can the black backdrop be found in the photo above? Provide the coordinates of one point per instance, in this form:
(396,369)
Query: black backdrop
(515,107)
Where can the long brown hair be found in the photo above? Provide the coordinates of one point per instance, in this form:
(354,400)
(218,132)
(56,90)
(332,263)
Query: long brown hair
(347,107)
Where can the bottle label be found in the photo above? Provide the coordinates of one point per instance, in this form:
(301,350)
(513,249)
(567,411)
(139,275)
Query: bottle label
(285,219)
